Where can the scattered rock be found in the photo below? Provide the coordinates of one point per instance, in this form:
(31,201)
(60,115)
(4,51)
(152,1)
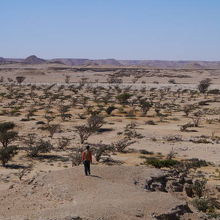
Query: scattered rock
(157,183)
(189,190)
(175,213)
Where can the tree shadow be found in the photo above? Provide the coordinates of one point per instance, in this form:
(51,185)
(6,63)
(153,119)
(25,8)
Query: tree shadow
(15,166)
(102,130)
(191,130)
(52,158)
(111,162)
(95,176)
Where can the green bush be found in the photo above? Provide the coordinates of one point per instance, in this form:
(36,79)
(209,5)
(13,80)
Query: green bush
(123,98)
(6,154)
(110,109)
(199,187)
(158,163)
(195,163)
(7,136)
(41,147)
(203,204)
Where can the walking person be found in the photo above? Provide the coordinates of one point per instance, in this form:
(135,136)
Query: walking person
(87,160)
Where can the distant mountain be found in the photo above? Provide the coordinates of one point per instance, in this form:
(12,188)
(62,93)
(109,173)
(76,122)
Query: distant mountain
(117,63)
(71,62)
(107,62)
(87,62)
(34,60)
(2,60)
(172,64)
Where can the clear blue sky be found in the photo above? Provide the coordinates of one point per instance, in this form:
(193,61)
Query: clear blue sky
(122,29)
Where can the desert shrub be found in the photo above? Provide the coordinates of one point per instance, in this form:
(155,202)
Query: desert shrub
(213,215)
(201,140)
(63,109)
(84,133)
(185,126)
(123,98)
(187,109)
(53,129)
(158,163)
(6,154)
(40,147)
(76,158)
(214,91)
(203,204)
(67,79)
(101,149)
(145,106)
(63,142)
(122,144)
(173,138)
(131,132)
(49,117)
(30,112)
(20,79)
(199,187)
(195,163)
(171,154)
(204,85)
(6,135)
(95,122)
(110,109)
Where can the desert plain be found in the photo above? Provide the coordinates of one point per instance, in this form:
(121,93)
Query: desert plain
(154,133)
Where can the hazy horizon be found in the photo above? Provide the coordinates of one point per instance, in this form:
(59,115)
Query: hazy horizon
(169,30)
(51,58)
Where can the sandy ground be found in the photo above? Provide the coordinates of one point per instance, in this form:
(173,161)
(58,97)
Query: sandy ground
(54,73)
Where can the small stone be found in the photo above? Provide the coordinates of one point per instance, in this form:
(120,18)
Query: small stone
(11,186)
(218,187)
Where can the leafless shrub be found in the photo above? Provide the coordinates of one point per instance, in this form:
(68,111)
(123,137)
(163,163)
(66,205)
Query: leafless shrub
(173,138)
(84,132)
(49,117)
(76,158)
(187,125)
(53,129)
(63,109)
(63,142)
(30,112)
(100,149)
(171,154)
(67,79)
(122,144)
(23,172)
(131,131)
(95,122)
(187,109)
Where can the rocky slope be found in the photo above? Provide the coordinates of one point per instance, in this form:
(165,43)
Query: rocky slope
(111,193)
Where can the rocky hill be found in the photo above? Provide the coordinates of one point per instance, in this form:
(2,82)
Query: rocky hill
(34,60)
